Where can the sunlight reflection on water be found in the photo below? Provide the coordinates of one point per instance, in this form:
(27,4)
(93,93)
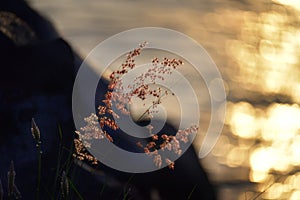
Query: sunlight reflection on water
(267,56)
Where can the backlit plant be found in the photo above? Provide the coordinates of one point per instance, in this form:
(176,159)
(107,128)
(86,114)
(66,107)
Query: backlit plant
(116,96)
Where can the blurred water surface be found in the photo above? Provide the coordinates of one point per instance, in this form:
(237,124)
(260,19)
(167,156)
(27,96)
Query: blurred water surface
(256,45)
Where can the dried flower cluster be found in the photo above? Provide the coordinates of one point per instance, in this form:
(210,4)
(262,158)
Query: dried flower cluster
(165,142)
(81,152)
(117,96)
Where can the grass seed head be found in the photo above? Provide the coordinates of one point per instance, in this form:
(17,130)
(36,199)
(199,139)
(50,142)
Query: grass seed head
(35,132)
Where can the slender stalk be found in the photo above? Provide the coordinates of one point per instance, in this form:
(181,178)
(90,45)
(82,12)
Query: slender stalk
(11,175)
(156,102)
(190,195)
(37,136)
(64,185)
(72,186)
(58,164)
(39,175)
(125,190)
(261,193)
(148,109)
(102,190)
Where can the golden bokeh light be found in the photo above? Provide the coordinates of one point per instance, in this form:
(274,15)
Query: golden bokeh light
(264,115)
(242,120)
(236,156)
(295,195)
(293,3)
(258,176)
(266,52)
(270,138)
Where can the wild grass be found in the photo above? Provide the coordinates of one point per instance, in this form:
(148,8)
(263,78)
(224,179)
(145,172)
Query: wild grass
(63,186)
(139,88)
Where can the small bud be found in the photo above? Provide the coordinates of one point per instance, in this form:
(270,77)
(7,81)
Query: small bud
(35,132)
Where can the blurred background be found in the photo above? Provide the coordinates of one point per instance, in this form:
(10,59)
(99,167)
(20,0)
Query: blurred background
(255,44)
